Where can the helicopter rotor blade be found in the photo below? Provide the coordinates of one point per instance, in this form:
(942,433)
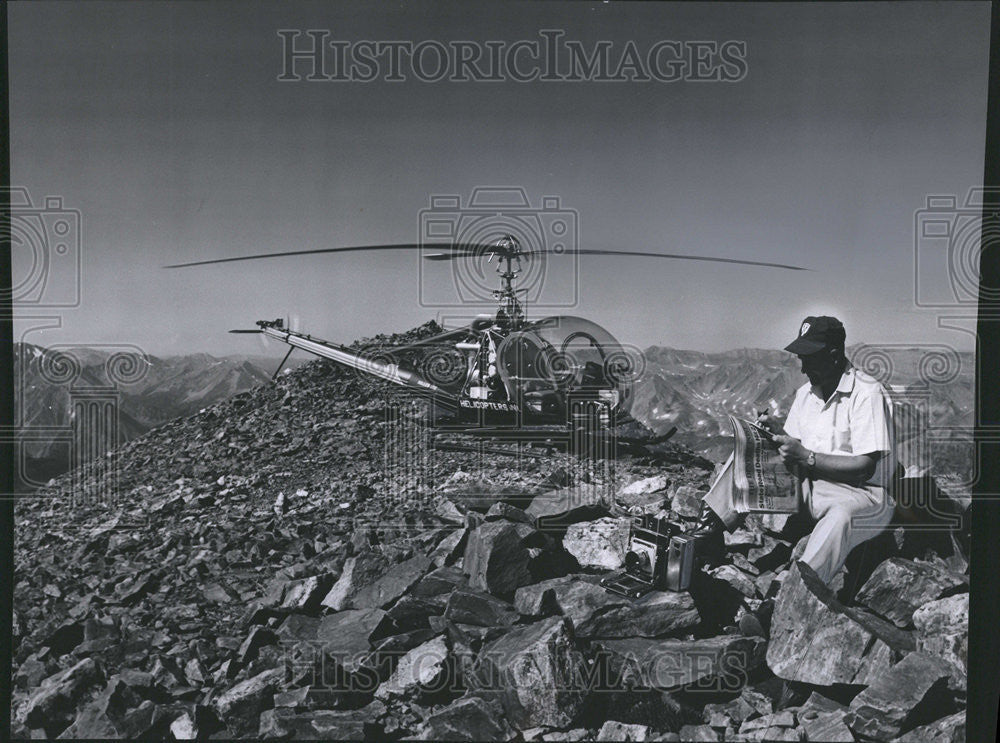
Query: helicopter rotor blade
(593,251)
(675,256)
(469,249)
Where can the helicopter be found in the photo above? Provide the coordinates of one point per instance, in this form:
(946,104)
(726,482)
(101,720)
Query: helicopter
(501,370)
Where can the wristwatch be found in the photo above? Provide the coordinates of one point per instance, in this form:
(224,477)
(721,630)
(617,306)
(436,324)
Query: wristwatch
(811,460)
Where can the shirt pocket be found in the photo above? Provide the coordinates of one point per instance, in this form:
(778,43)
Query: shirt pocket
(842,438)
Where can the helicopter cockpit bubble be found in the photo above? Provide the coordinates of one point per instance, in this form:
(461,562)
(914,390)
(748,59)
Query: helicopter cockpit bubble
(566,355)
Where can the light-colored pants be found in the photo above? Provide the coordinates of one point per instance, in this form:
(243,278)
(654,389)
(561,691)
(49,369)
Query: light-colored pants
(845,517)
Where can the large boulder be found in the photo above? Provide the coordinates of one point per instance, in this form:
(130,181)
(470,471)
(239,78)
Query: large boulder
(536,672)
(898,587)
(497,559)
(596,613)
(815,639)
(943,630)
(716,663)
(600,544)
(910,693)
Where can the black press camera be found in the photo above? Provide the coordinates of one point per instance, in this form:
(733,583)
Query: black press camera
(660,557)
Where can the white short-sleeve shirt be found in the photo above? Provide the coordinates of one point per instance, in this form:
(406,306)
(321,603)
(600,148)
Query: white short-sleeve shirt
(857,419)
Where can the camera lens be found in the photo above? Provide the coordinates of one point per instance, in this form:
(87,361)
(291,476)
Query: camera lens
(637,562)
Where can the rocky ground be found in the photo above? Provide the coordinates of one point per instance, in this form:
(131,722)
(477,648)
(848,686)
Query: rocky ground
(293,562)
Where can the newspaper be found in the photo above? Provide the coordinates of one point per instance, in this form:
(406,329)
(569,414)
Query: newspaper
(761,481)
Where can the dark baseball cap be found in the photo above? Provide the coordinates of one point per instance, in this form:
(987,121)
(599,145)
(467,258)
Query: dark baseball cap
(817,333)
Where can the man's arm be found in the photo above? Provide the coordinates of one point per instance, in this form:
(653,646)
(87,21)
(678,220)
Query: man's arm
(852,469)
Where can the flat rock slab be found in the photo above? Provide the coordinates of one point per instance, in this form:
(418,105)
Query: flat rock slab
(396,581)
(622,731)
(466,606)
(440,581)
(539,599)
(826,726)
(449,548)
(736,578)
(950,729)
(655,484)
(414,612)
(600,544)
(317,725)
(501,510)
(719,663)
(240,706)
(898,587)
(470,718)
(596,613)
(697,733)
(307,594)
(559,508)
(942,629)
(359,571)
(496,559)
(910,693)
(648,496)
(815,639)
(423,667)
(536,672)
(347,636)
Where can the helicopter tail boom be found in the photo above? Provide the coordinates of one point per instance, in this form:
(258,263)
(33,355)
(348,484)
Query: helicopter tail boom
(387,371)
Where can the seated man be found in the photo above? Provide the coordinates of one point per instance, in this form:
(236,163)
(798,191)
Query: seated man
(838,434)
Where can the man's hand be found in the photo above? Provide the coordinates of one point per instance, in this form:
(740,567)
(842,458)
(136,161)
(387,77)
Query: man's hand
(770,423)
(791,450)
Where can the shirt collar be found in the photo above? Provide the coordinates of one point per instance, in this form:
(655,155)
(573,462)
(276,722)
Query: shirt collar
(844,387)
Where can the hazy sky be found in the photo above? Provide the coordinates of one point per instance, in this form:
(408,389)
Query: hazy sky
(166,126)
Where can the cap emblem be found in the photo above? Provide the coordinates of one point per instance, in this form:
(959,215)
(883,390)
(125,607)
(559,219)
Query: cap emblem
(804,329)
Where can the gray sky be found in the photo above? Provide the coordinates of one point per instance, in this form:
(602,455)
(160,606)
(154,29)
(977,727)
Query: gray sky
(164,124)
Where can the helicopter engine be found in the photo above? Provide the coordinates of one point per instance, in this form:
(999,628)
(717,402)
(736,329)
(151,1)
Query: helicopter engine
(549,364)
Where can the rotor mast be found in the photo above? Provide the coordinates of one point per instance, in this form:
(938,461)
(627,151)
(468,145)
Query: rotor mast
(509,312)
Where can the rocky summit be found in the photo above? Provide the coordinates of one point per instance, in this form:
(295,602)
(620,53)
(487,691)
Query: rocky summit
(305,560)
